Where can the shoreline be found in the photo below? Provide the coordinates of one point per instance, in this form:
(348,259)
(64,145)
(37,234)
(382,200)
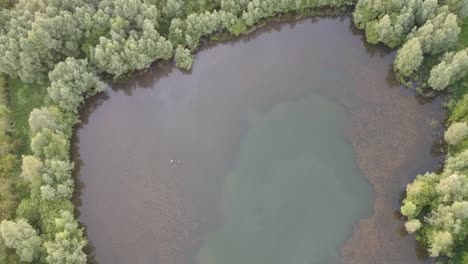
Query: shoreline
(165,67)
(390,158)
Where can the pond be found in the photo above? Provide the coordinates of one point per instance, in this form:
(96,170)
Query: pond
(290,145)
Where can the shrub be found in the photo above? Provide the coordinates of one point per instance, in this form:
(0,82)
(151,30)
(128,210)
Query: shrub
(456,133)
(183,58)
(22,237)
(412,225)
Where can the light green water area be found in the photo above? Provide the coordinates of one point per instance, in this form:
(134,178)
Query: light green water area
(248,159)
(294,191)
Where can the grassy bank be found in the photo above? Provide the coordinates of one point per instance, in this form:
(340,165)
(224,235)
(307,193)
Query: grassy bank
(24,98)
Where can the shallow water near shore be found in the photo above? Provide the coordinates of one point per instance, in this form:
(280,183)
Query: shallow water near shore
(290,145)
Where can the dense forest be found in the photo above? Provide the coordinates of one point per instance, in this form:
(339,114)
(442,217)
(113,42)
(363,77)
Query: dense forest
(54,54)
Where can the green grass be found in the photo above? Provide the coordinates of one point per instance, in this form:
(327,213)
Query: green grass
(23,99)
(458,105)
(464,32)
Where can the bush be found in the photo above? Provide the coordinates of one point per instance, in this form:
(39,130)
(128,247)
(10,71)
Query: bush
(73,80)
(412,225)
(49,145)
(22,237)
(183,58)
(456,133)
(46,117)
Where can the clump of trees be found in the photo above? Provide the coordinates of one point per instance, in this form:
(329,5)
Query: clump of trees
(67,245)
(436,205)
(437,208)
(71,81)
(46,228)
(452,68)
(37,34)
(437,35)
(417,28)
(23,238)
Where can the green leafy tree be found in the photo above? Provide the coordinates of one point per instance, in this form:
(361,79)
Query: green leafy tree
(183,58)
(71,81)
(23,238)
(67,245)
(58,183)
(453,67)
(390,22)
(234,6)
(39,34)
(457,162)
(438,34)
(32,168)
(46,117)
(420,193)
(459,7)
(441,242)
(119,55)
(49,145)
(440,77)
(367,11)
(427,11)
(456,133)
(412,225)
(409,58)
(173,8)
(441,200)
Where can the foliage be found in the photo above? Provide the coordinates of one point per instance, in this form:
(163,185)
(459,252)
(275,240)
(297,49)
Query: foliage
(457,162)
(183,58)
(444,196)
(118,55)
(72,80)
(409,57)
(456,133)
(438,34)
(459,7)
(22,237)
(39,34)
(390,22)
(46,117)
(412,225)
(67,246)
(49,145)
(452,68)
(436,205)
(23,99)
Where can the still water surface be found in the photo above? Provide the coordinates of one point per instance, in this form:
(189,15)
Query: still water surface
(255,157)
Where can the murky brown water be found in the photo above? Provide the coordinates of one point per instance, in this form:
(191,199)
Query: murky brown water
(392,135)
(266,153)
